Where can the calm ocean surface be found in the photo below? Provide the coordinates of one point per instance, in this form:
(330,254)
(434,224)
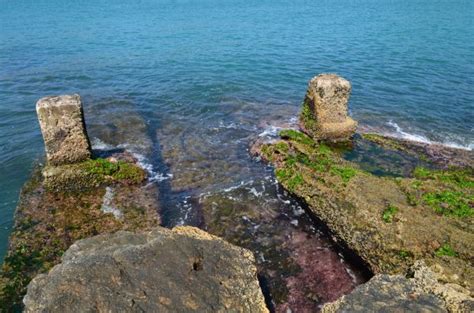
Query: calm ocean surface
(188,83)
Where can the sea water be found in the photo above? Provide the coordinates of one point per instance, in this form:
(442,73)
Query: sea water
(206,76)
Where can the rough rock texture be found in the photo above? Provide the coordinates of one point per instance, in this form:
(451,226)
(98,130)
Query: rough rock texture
(396,293)
(324,114)
(47,222)
(385,293)
(390,222)
(63,128)
(184,269)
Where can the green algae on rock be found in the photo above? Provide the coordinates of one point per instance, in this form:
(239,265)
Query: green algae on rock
(353,203)
(72,203)
(91,173)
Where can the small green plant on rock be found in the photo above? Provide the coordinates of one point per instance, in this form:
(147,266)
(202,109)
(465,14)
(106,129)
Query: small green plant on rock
(450,203)
(462,178)
(289,177)
(447,192)
(445,250)
(118,170)
(281,146)
(307,115)
(389,213)
(296,136)
(346,173)
(405,254)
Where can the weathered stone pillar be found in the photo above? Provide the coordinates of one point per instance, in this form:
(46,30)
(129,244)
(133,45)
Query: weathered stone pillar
(62,124)
(324,115)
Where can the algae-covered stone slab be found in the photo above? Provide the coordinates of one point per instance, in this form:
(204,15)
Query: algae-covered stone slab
(79,201)
(389,221)
(179,270)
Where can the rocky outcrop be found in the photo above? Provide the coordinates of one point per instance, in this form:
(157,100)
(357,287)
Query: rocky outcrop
(324,114)
(390,222)
(397,293)
(63,128)
(184,269)
(79,201)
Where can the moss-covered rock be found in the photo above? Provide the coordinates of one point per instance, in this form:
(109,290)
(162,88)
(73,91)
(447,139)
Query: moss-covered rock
(91,174)
(66,204)
(389,221)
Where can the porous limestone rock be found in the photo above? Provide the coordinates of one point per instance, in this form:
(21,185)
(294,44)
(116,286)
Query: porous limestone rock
(180,270)
(324,114)
(62,125)
(396,293)
(386,293)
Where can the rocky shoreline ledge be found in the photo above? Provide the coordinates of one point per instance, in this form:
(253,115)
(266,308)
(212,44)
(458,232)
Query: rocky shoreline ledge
(393,202)
(87,231)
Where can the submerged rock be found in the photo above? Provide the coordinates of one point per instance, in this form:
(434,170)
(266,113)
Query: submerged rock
(62,125)
(324,114)
(299,267)
(184,269)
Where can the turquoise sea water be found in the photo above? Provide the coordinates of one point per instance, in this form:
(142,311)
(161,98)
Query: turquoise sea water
(205,76)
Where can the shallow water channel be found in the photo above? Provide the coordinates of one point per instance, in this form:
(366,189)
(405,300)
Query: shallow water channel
(208,179)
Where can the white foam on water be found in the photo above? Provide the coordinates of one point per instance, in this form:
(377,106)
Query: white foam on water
(242,183)
(273,130)
(98,144)
(270,131)
(107,204)
(185,208)
(228,126)
(400,133)
(153,176)
(255,192)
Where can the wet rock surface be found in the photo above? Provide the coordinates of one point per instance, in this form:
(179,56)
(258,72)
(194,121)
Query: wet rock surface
(438,155)
(184,269)
(389,221)
(325,112)
(62,125)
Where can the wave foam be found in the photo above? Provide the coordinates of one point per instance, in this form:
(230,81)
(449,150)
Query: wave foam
(400,133)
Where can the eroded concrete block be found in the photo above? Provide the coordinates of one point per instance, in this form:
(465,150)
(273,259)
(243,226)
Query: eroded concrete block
(62,124)
(324,114)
